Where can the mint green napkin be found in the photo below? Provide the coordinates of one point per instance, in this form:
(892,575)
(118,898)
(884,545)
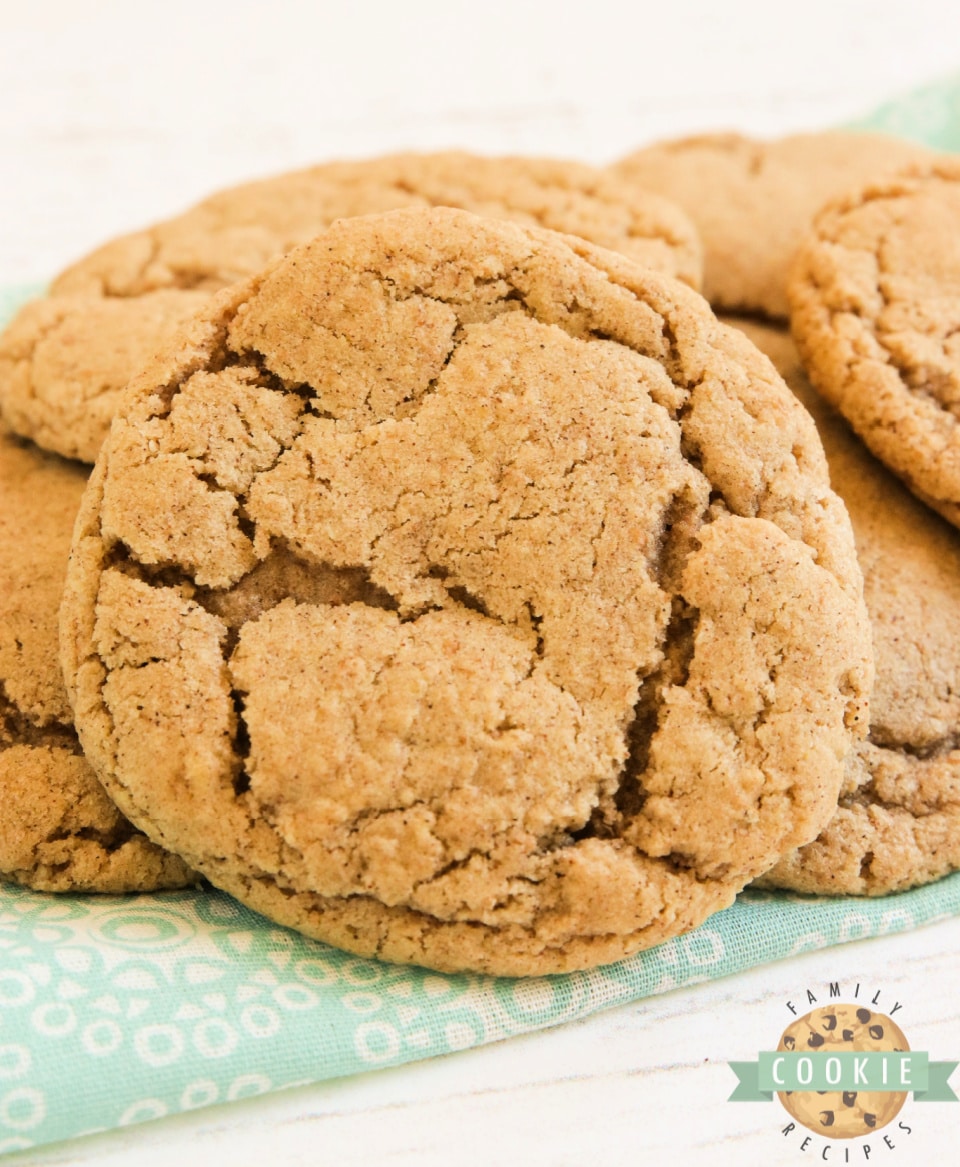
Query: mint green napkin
(117,1009)
(930,115)
(114,1010)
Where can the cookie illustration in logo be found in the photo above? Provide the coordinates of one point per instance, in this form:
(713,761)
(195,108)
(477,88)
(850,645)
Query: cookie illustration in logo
(834,1029)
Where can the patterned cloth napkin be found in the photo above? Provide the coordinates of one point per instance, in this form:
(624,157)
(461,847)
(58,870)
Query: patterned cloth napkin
(930,115)
(114,1010)
(117,1009)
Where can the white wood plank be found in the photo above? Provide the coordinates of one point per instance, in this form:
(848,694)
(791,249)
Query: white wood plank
(114,114)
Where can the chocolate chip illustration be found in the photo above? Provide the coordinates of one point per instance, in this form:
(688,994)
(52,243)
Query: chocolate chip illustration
(843,1114)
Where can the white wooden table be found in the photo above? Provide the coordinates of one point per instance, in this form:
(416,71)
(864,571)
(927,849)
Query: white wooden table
(115,113)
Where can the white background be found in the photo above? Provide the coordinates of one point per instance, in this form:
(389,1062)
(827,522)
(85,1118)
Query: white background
(115,113)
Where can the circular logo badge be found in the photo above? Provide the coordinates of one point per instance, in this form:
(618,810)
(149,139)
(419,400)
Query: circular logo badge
(835,1029)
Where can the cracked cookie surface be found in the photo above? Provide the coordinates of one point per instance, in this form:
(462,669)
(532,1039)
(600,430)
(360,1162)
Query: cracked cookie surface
(466,595)
(58,829)
(66,358)
(875,312)
(898,821)
(753,201)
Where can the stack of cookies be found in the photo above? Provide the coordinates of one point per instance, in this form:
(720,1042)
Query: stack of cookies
(453,586)
(856,238)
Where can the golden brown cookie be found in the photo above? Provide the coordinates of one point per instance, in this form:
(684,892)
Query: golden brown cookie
(58,829)
(753,201)
(898,823)
(458,598)
(66,358)
(875,298)
(833,1029)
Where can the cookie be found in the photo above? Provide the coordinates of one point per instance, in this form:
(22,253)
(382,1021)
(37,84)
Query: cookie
(875,298)
(459,597)
(58,829)
(833,1029)
(66,358)
(898,822)
(753,201)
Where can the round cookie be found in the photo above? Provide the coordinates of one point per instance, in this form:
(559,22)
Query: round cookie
(66,358)
(753,201)
(898,822)
(875,311)
(58,829)
(833,1029)
(462,598)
